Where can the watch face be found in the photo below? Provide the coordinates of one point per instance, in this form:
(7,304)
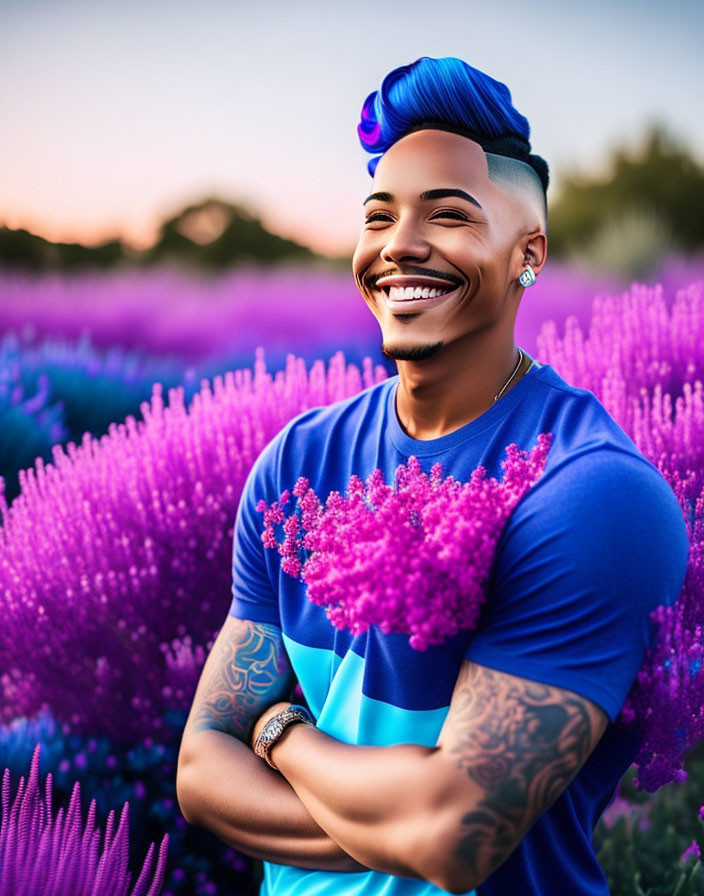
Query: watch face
(274,729)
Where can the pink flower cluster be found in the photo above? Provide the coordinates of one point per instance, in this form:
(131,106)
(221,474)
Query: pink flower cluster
(43,853)
(115,559)
(410,558)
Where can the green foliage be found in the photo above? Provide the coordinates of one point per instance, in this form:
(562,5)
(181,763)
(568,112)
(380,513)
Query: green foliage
(216,234)
(641,852)
(21,249)
(660,188)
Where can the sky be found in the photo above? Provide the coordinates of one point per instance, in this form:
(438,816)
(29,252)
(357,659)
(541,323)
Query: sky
(116,115)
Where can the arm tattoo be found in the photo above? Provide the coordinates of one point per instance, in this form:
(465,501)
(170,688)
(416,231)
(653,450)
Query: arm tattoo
(248,674)
(521,742)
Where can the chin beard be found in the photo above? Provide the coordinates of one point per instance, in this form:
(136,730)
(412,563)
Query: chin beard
(411,353)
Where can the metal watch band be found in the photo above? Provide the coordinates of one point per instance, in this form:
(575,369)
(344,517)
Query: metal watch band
(276,726)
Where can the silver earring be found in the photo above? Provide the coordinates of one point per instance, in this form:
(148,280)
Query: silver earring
(527,278)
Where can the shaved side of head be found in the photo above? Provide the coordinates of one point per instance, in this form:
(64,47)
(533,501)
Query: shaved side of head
(519,178)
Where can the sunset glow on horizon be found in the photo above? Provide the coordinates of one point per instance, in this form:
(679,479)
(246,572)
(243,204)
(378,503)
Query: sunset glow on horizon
(117,118)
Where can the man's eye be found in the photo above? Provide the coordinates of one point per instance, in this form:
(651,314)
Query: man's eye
(447,213)
(377,216)
(458,216)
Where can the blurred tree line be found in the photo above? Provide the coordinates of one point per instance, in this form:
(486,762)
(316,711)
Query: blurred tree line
(646,206)
(211,234)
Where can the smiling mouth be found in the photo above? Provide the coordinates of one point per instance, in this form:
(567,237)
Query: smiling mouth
(399,288)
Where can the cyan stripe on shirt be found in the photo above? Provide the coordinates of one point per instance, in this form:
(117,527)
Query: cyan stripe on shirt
(285,880)
(332,685)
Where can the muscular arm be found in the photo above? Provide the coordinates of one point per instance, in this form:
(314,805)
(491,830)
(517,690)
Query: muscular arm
(221,784)
(517,744)
(453,813)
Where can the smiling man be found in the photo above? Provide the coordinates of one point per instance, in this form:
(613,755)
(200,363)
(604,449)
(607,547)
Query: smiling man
(483,764)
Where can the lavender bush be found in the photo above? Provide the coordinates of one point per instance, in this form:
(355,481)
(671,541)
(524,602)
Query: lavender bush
(144,775)
(114,561)
(306,311)
(96,387)
(645,362)
(74,388)
(31,421)
(57,855)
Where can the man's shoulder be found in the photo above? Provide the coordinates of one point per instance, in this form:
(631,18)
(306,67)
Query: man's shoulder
(585,434)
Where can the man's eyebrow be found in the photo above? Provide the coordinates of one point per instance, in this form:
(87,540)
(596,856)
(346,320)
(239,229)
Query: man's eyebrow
(442,193)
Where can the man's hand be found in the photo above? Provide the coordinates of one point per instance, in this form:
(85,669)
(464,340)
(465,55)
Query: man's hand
(264,718)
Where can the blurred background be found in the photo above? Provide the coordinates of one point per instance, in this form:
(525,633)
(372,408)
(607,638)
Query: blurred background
(181,184)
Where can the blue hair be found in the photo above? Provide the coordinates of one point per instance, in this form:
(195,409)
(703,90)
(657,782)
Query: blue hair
(450,94)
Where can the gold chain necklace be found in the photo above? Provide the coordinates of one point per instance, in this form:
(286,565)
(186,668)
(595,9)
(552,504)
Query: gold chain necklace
(515,370)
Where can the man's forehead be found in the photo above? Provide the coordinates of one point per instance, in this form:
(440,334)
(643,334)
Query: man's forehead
(435,153)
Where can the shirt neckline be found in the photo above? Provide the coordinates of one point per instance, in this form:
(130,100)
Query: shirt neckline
(489,419)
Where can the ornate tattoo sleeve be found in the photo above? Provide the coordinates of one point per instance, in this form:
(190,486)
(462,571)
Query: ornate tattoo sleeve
(246,671)
(521,743)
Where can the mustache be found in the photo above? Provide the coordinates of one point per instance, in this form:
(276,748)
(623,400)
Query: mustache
(415,271)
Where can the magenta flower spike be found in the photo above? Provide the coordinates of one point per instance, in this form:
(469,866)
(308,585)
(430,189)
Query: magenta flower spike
(57,855)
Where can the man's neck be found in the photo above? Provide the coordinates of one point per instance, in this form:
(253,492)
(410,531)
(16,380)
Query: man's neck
(454,387)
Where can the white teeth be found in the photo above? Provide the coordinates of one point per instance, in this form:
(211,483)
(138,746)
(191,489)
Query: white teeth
(401,294)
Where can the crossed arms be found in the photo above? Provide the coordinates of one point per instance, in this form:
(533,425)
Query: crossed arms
(450,814)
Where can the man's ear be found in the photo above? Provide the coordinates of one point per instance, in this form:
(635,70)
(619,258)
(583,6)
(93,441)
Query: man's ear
(535,250)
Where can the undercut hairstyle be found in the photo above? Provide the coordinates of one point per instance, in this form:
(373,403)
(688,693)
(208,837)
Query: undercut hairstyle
(448,94)
(518,176)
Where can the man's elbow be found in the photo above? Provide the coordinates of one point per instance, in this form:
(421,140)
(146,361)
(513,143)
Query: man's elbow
(447,874)
(184,789)
(456,882)
(189,771)
(455,861)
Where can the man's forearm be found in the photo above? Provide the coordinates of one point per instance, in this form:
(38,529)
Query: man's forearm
(386,806)
(225,788)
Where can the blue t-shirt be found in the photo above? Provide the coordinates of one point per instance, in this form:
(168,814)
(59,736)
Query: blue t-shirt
(589,551)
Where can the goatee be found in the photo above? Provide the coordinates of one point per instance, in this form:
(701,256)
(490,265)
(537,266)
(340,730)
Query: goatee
(411,353)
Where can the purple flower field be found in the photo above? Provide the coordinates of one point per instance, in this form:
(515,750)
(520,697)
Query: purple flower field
(115,555)
(309,312)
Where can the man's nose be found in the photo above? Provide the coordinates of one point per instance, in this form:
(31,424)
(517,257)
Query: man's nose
(405,241)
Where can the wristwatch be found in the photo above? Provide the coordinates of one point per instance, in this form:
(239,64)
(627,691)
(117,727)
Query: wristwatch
(276,726)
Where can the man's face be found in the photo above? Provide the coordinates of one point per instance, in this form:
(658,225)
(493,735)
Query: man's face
(467,247)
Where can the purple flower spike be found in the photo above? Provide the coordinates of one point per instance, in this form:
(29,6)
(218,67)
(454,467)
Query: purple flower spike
(40,852)
(692,850)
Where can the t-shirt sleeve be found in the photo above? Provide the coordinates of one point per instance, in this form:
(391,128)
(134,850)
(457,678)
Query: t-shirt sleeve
(589,552)
(254,585)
